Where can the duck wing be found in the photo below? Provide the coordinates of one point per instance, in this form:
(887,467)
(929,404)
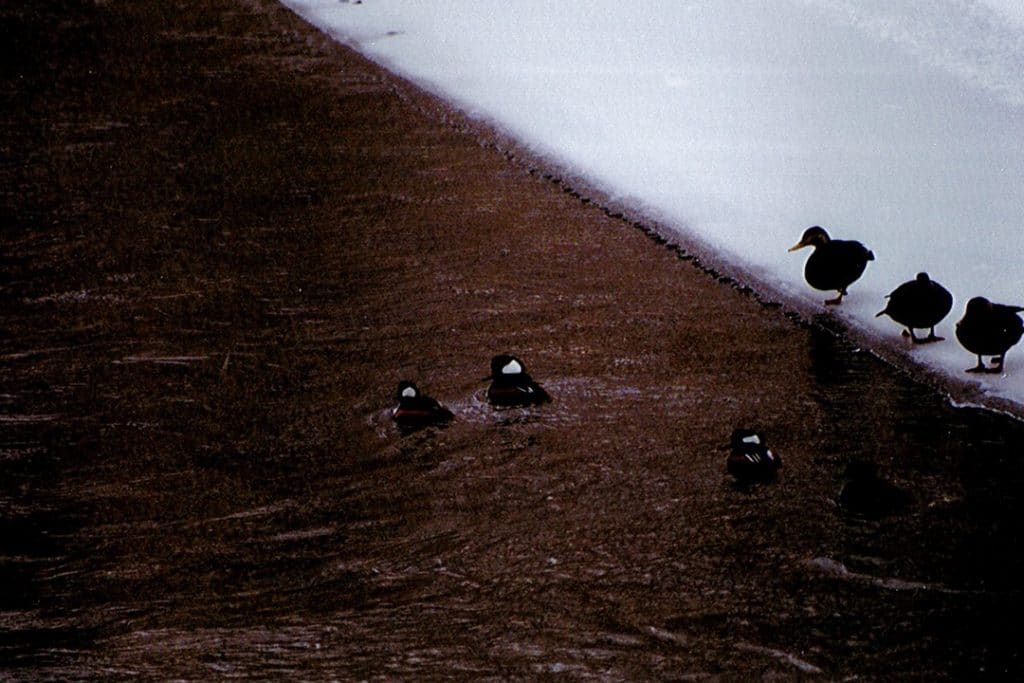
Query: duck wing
(919,304)
(837,264)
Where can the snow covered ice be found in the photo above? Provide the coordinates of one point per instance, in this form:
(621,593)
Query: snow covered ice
(741,123)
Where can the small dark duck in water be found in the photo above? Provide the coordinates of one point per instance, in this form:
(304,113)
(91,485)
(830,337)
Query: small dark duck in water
(834,264)
(750,460)
(416,410)
(989,329)
(868,495)
(919,304)
(511,385)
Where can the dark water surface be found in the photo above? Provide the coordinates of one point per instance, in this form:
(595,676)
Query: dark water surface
(224,241)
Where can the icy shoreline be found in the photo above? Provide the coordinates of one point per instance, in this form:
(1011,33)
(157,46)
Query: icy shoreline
(734,131)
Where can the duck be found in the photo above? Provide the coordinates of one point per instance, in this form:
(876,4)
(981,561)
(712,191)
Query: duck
(750,460)
(869,496)
(989,329)
(511,384)
(416,410)
(834,264)
(921,303)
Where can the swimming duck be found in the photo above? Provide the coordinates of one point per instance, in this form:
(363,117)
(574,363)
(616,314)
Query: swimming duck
(416,410)
(989,329)
(834,264)
(868,495)
(511,385)
(750,460)
(921,303)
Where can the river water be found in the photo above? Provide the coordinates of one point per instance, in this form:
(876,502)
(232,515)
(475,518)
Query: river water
(208,301)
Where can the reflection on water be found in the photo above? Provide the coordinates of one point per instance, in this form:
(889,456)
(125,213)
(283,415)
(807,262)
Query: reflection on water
(961,526)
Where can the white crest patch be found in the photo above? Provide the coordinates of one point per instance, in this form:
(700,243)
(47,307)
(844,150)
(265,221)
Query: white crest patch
(409,392)
(754,438)
(512,368)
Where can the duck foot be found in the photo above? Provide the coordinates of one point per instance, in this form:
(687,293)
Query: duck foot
(981,368)
(834,302)
(926,340)
(909,332)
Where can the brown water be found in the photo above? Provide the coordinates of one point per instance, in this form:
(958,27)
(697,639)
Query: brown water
(224,242)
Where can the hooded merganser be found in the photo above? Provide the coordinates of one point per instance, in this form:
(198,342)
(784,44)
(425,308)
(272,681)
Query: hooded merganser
(511,385)
(921,303)
(834,264)
(989,329)
(416,411)
(750,460)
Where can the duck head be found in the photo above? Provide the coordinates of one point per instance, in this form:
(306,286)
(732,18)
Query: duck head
(743,439)
(978,305)
(506,365)
(814,236)
(406,389)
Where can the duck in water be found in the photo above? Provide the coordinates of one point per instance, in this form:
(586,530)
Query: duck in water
(511,384)
(869,496)
(415,410)
(750,460)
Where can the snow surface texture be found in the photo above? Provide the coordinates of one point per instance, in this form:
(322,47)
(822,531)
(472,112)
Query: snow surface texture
(743,122)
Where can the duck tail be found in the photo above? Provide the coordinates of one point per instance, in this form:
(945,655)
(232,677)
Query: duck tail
(882,312)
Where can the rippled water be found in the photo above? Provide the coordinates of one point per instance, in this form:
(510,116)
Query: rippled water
(201,480)
(496,547)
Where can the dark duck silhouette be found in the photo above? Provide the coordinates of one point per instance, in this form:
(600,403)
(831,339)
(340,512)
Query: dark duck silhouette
(416,410)
(750,460)
(869,496)
(989,329)
(834,264)
(921,303)
(511,385)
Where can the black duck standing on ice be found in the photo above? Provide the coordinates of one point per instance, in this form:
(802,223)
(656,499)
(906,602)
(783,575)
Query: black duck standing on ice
(511,385)
(416,410)
(750,460)
(919,304)
(834,264)
(989,329)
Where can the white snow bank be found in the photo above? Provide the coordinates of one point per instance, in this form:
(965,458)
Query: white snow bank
(743,122)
